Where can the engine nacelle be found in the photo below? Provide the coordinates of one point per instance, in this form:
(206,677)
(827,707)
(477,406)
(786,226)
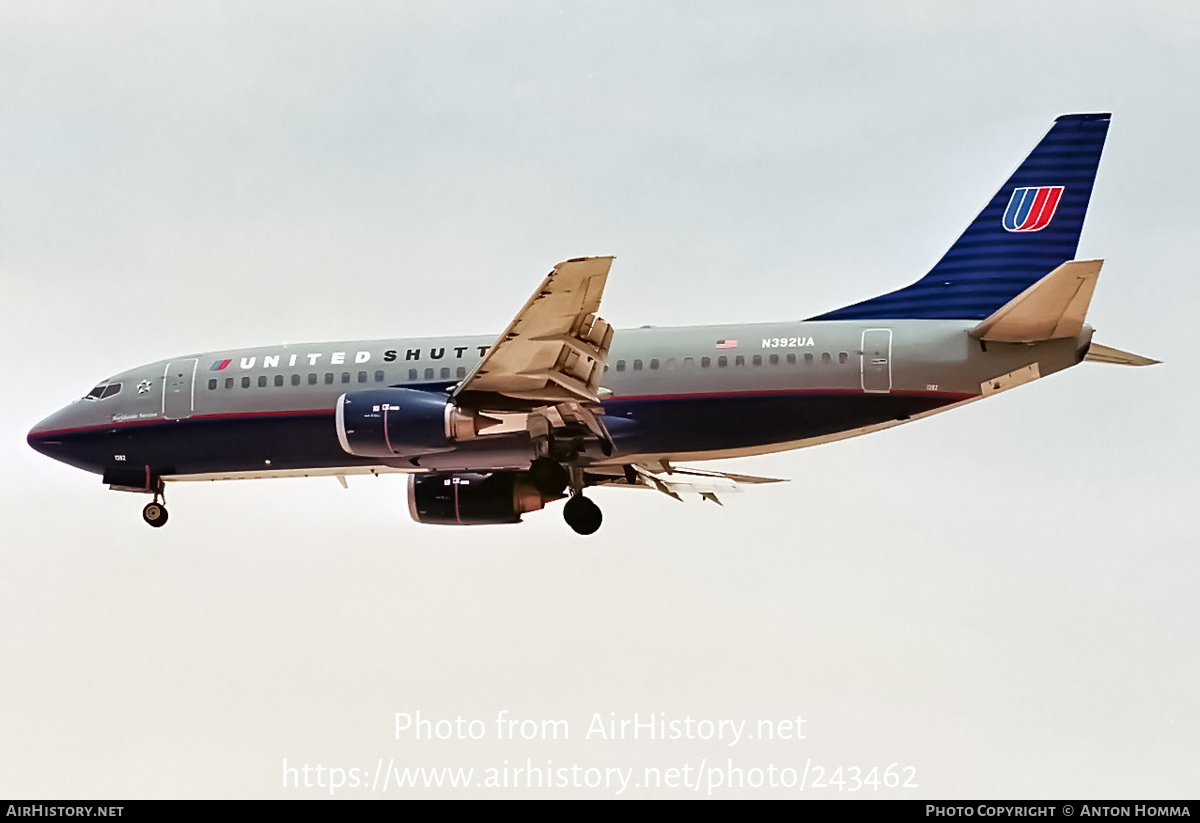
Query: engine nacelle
(400,422)
(472,499)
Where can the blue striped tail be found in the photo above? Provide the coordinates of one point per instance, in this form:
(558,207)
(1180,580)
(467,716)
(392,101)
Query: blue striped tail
(1029,227)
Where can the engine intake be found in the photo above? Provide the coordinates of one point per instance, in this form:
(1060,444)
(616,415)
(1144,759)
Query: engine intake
(400,422)
(472,499)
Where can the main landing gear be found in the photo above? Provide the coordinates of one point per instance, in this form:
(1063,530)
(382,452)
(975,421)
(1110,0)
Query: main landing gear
(582,515)
(155,513)
(554,476)
(549,476)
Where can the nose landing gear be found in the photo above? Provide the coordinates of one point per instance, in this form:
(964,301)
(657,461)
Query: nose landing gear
(155,513)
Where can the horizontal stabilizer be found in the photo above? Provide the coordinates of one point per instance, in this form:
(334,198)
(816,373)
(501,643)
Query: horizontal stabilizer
(1053,307)
(1104,354)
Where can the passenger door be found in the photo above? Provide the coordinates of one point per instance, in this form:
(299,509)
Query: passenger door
(876,362)
(179,389)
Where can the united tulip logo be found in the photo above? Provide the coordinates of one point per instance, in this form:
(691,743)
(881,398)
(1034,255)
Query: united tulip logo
(1031,208)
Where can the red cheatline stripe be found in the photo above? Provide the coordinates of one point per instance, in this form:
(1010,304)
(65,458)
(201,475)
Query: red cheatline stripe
(158,421)
(953,396)
(793,392)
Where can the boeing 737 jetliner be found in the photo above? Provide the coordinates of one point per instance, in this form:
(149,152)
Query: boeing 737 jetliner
(490,428)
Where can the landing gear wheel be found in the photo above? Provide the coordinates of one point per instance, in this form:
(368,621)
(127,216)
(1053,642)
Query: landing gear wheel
(582,515)
(155,514)
(548,476)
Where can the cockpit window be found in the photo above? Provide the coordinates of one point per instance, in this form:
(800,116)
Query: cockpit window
(103,391)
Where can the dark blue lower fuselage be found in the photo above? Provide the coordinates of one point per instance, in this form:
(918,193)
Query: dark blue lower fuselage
(295,441)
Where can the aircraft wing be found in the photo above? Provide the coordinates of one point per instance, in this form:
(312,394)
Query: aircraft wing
(554,350)
(676,480)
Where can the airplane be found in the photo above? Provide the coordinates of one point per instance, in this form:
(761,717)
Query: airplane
(491,428)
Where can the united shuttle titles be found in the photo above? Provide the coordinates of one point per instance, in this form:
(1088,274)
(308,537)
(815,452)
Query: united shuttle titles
(342,358)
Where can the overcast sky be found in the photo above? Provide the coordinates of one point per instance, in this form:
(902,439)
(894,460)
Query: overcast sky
(1001,598)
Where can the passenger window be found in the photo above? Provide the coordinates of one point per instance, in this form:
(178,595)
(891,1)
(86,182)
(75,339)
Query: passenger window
(295,380)
(362,377)
(278,380)
(229,382)
(774,360)
(654,363)
(637,365)
(312,378)
(791,358)
(212,384)
(445,374)
(379,376)
(328,378)
(756,360)
(429,374)
(345,377)
(462,371)
(262,381)
(245,382)
(705,362)
(412,374)
(825,358)
(739,360)
(620,365)
(722,362)
(808,358)
(843,357)
(689,362)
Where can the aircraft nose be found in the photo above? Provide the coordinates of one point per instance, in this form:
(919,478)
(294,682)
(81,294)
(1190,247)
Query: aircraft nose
(69,436)
(45,437)
(37,438)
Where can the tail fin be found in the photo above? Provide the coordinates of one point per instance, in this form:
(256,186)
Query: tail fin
(1030,226)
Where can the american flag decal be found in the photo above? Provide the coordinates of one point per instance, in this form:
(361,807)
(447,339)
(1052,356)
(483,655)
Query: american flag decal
(726,344)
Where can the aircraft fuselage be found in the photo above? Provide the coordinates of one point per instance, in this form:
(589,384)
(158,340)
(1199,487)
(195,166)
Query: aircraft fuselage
(691,393)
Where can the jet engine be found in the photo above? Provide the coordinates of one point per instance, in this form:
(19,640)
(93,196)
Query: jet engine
(400,422)
(472,499)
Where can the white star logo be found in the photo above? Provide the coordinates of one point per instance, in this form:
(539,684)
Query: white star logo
(144,387)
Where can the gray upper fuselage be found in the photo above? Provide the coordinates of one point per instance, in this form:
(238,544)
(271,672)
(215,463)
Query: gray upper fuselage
(928,359)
